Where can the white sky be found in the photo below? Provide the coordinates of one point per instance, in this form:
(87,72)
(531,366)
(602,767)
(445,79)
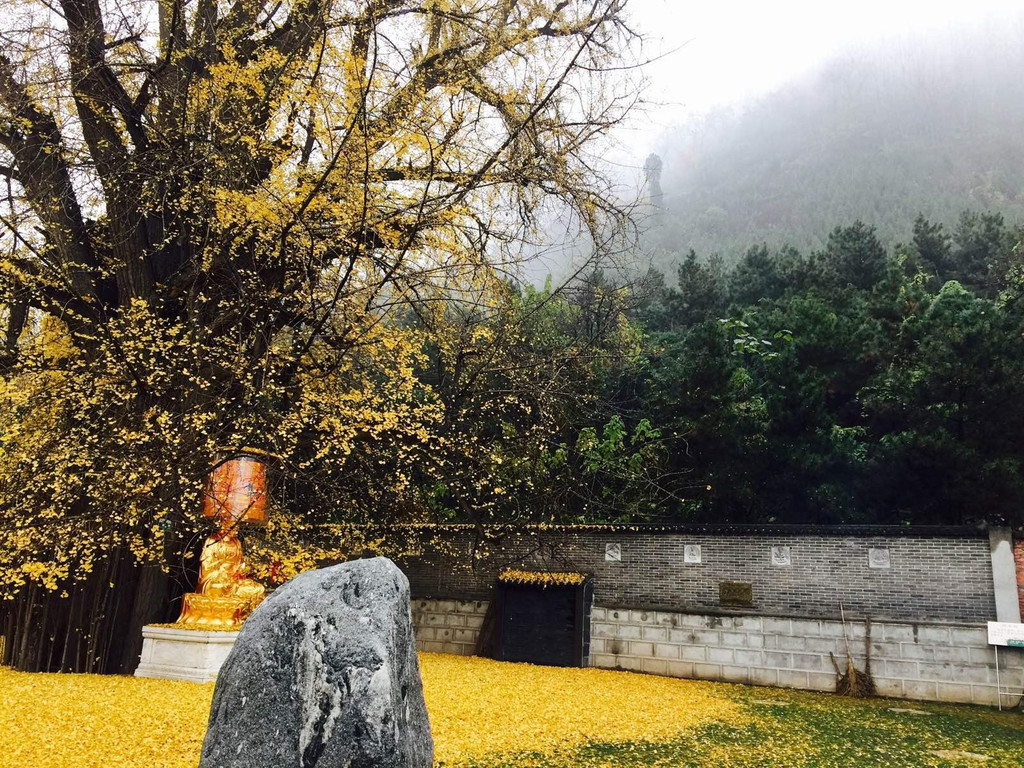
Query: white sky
(733,50)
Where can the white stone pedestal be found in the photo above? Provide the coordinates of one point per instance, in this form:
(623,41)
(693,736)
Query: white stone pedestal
(183,654)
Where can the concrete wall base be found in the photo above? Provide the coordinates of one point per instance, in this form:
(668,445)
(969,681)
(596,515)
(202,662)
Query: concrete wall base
(924,661)
(448,626)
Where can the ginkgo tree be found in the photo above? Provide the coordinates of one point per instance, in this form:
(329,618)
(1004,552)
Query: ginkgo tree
(215,215)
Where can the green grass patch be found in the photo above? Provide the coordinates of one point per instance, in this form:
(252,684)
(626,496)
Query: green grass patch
(796,729)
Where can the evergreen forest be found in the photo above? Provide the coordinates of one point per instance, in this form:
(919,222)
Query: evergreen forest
(852,384)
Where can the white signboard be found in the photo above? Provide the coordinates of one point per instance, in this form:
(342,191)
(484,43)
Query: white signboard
(1006,633)
(691,553)
(878,558)
(780,556)
(613,552)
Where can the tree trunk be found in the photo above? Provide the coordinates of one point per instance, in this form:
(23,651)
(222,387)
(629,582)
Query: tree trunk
(149,606)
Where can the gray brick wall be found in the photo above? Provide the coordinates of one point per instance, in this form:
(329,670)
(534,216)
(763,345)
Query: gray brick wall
(930,578)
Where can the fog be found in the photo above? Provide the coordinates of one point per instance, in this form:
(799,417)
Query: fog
(726,54)
(778,124)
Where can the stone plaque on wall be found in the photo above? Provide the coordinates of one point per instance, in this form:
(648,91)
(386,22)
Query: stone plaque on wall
(737,593)
(613,552)
(878,558)
(780,556)
(691,553)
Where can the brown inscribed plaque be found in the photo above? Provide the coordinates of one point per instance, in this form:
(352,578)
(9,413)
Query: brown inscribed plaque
(735,593)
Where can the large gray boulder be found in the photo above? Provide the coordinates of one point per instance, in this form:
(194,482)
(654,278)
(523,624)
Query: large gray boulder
(324,673)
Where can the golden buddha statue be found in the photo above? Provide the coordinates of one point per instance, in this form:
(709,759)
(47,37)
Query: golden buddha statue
(222,568)
(236,492)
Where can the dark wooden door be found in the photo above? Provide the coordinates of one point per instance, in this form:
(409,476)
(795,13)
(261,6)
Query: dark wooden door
(549,625)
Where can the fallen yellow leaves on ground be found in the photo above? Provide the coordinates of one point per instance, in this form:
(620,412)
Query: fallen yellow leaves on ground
(481,707)
(477,708)
(100,721)
(488,714)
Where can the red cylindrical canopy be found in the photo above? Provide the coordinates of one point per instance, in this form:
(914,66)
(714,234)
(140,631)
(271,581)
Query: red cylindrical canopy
(236,490)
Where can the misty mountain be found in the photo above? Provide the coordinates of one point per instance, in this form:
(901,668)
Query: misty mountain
(932,126)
